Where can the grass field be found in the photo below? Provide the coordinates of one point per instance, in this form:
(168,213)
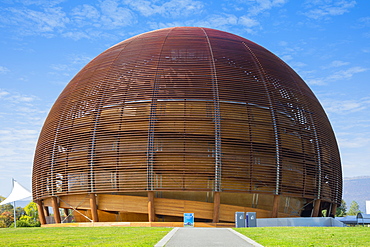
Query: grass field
(147,236)
(82,236)
(308,236)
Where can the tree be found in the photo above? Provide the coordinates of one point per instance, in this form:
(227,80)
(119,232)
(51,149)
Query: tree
(6,219)
(25,217)
(341,210)
(6,214)
(354,208)
(31,217)
(6,207)
(31,210)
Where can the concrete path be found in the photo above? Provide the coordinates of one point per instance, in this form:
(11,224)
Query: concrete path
(198,236)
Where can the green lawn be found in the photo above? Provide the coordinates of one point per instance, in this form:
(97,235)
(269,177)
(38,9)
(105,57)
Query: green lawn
(82,236)
(148,236)
(308,236)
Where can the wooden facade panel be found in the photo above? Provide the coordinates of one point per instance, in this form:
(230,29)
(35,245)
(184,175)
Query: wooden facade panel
(75,201)
(133,204)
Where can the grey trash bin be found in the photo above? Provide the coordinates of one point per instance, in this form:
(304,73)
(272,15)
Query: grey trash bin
(250,219)
(239,219)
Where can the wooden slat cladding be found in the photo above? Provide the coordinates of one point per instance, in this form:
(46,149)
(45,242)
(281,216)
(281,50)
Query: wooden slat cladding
(187,109)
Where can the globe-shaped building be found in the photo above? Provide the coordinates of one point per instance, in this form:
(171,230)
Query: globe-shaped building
(186,119)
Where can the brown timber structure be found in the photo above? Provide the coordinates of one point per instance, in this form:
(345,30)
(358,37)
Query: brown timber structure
(181,120)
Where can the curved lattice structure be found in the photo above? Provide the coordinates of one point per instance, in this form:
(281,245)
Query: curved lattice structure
(193,117)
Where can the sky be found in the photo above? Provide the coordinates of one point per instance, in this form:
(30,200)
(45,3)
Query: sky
(44,43)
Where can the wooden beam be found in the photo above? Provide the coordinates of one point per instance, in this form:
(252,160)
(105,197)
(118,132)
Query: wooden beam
(216,207)
(46,210)
(40,208)
(175,207)
(333,210)
(151,209)
(66,211)
(275,207)
(316,208)
(54,203)
(94,208)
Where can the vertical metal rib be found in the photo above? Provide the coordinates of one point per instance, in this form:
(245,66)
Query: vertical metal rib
(152,121)
(274,121)
(318,153)
(216,119)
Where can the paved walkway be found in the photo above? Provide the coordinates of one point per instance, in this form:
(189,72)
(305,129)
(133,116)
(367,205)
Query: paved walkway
(197,236)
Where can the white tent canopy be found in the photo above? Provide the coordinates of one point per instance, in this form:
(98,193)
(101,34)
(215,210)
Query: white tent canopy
(18,193)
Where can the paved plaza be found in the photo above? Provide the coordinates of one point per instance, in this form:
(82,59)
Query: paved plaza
(196,236)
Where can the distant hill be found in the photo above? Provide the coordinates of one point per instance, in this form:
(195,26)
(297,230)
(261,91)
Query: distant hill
(356,189)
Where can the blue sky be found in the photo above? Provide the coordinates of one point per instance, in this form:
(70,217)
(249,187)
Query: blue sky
(44,43)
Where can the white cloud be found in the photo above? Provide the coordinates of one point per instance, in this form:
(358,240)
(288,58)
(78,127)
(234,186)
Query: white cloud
(65,71)
(49,20)
(60,67)
(364,22)
(3,93)
(259,6)
(283,43)
(224,20)
(94,19)
(47,3)
(77,35)
(217,21)
(108,14)
(44,22)
(354,141)
(82,14)
(172,8)
(21,120)
(79,59)
(16,97)
(286,57)
(346,74)
(17,146)
(335,64)
(345,106)
(320,9)
(159,25)
(316,81)
(114,16)
(337,75)
(22,98)
(298,64)
(248,22)
(3,70)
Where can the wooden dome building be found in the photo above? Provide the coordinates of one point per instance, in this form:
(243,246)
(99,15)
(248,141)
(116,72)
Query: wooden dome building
(186,119)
